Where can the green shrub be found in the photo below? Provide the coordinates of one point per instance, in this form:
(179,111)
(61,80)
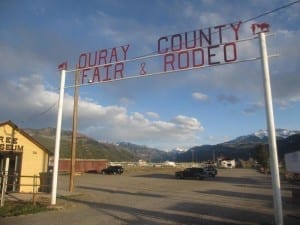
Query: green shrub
(12,208)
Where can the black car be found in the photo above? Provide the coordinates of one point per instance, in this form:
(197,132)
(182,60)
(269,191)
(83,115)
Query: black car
(211,171)
(113,170)
(196,172)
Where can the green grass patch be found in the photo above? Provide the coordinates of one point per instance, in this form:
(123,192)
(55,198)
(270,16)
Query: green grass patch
(16,208)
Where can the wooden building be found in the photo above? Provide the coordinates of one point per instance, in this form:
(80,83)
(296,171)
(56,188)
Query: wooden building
(22,157)
(83,165)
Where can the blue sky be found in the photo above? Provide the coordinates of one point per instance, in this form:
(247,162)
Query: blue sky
(176,110)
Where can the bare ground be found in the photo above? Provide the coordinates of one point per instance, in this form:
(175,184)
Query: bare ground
(151,196)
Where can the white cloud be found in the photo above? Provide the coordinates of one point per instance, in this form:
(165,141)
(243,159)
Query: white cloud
(187,123)
(126,101)
(153,115)
(34,51)
(200,96)
(111,123)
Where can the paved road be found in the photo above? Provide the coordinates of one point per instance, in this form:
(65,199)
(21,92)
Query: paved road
(238,196)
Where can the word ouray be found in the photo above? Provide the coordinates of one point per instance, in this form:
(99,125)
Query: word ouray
(103,65)
(199,47)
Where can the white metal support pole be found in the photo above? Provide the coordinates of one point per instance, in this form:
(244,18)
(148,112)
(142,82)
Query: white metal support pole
(57,139)
(271,132)
(4,181)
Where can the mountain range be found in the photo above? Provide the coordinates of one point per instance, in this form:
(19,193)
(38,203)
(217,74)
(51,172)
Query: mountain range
(261,136)
(242,147)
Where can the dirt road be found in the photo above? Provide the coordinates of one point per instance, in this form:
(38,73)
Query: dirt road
(237,196)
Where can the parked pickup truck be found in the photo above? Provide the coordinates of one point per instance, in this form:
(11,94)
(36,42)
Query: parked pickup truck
(198,173)
(113,170)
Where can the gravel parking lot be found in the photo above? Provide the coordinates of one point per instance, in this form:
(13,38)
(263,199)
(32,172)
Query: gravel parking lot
(154,196)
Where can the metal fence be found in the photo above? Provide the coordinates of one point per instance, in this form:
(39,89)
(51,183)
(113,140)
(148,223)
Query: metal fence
(14,183)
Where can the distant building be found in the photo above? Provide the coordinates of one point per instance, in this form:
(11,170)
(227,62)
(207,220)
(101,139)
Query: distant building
(142,162)
(226,163)
(22,157)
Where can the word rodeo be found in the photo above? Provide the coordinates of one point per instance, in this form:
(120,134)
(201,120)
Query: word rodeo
(103,65)
(198,48)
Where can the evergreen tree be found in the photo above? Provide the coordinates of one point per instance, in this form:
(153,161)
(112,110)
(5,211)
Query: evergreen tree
(262,155)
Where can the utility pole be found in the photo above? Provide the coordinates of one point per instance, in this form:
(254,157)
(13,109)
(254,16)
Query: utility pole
(74,134)
(271,131)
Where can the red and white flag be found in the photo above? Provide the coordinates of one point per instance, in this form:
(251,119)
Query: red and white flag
(63,66)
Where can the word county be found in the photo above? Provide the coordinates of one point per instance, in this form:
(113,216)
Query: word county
(199,47)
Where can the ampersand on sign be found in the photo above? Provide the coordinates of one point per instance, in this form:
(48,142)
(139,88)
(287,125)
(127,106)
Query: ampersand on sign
(143,71)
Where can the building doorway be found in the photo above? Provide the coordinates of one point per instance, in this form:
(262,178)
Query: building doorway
(14,169)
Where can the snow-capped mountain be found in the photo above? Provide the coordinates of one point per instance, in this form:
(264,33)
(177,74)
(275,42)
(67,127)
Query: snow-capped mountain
(262,136)
(281,133)
(179,149)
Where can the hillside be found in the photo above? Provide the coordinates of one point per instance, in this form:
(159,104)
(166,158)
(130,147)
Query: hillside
(87,148)
(148,154)
(241,148)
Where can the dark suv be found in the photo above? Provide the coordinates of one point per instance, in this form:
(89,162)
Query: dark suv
(211,171)
(113,170)
(198,173)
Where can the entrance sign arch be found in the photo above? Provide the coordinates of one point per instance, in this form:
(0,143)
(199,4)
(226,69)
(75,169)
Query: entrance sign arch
(196,49)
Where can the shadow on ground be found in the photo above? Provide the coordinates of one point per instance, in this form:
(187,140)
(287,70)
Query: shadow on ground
(184,213)
(114,191)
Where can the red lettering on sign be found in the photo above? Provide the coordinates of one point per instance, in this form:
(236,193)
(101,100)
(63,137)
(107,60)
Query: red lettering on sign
(212,55)
(187,41)
(84,74)
(113,55)
(102,56)
(103,73)
(204,36)
(176,42)
(119,69)
(125,51)
(220,32)
(234,57)
(95,59)
(103,65)
(159,45)
(236,29)
(169,60)
(106,70)
(195,52)
(96,75)
(183,57)
(196,38)
(82,60)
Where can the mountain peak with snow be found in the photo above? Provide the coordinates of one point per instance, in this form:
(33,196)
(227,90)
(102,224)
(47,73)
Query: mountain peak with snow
(280,133)
(262,136)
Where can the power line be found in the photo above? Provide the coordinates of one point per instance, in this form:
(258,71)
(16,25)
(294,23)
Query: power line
(155,53)
(34,116)
(149,54)
(245,21)
(272,11)
(171,71)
